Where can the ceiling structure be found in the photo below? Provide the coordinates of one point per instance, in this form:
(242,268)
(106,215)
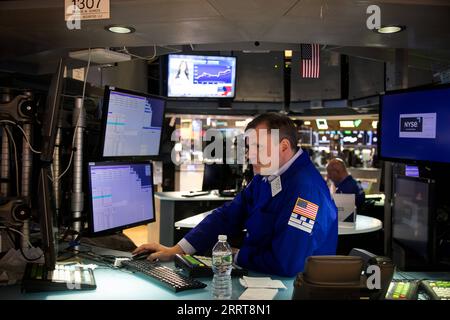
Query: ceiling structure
(34,34)
(28,27)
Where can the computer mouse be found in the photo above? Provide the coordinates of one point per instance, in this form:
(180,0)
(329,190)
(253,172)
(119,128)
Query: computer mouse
(141,256)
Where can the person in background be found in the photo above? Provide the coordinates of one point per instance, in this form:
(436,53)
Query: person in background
(183,71)
(344,182)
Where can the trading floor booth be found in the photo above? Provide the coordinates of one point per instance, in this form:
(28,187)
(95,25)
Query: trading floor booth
(77,162)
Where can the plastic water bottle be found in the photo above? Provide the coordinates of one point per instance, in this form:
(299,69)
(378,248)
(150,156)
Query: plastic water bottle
(222,260)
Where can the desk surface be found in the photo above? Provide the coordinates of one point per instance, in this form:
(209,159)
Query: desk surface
(178,196)
(115,284)
(363,224)
(121,284)
(379,198)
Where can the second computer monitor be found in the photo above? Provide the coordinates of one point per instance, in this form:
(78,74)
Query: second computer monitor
(121,195)
(218,176)
(132,124)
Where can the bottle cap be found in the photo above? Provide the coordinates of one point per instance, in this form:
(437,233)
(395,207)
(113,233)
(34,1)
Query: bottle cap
(222,237)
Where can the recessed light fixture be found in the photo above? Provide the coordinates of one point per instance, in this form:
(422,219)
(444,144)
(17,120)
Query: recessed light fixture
(390,29)
(120,29)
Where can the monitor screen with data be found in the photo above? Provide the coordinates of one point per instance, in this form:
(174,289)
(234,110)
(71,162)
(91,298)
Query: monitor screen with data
(132,124)
(121,195)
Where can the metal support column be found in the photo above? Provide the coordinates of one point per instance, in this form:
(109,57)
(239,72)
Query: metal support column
(79,123)
(56,170)
(4,163)
(27,165)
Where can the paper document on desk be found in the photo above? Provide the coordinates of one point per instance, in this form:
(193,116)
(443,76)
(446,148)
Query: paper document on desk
(345,204)
(258,294)
(261,282)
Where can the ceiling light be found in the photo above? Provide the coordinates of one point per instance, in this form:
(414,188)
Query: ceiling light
(100,56)
(390,29)
(120,29)
(288,54)
(307,123)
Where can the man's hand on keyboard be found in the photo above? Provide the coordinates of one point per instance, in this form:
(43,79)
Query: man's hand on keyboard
(159,252)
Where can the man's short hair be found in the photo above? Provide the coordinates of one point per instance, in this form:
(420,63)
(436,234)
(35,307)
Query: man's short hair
(273,120)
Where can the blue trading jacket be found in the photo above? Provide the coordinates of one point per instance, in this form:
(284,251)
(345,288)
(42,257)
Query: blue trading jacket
(282,231)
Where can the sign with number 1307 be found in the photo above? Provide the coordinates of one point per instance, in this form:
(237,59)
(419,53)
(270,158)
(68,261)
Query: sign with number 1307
(87,9)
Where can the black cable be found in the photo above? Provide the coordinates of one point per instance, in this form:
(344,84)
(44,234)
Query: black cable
(29,259)
(11,238)
(66,258)
(8,230)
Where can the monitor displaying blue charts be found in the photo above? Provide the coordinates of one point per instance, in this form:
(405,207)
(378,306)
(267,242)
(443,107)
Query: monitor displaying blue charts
(415,125)
(132,123)
(194,76)
(121,195)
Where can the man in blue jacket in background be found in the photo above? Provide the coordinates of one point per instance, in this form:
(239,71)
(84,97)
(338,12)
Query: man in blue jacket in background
(288,212)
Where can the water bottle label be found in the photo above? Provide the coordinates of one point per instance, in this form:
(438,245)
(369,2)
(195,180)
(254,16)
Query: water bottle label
(225,259)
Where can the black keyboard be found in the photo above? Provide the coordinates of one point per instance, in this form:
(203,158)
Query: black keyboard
(164,275)
(436,290)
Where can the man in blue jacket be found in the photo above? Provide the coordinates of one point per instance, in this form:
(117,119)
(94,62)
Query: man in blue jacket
(288,213)
(344,182)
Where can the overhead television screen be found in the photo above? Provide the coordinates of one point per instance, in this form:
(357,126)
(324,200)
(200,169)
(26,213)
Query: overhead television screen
(194,76)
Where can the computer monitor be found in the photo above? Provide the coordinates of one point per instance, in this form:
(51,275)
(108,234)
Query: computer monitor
(51,113)
(413,219)
(120,195)
(414,125)
(194,76)
(48,230)
(412,171)
(218,176)
(132,124)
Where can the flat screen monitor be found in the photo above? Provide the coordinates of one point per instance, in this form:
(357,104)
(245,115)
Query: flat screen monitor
(132,124)
(51,117)
(412,171)
(218,176)
(120,195)
(46,210)
(194,76)
(414,126)
(412,216)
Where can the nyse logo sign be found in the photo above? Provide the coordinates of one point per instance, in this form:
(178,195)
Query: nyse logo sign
(411,124)
(418,125)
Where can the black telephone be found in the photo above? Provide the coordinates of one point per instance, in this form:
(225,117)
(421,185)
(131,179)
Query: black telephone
(197,266)
(387,269)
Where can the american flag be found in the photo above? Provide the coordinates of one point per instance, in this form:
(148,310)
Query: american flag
(310,59)
(306,208)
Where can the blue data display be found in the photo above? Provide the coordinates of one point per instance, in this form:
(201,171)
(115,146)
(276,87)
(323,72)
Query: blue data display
(121,195)
(415,125)
(133,124)
(201,76)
